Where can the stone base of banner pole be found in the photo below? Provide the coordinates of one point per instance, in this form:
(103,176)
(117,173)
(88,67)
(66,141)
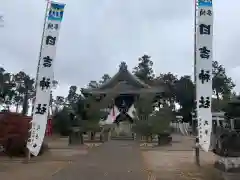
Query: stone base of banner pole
(228,164)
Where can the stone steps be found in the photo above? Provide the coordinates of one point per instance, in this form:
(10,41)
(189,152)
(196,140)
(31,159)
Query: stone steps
(122,138)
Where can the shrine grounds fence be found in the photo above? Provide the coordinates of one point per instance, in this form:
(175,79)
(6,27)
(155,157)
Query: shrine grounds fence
(186,129)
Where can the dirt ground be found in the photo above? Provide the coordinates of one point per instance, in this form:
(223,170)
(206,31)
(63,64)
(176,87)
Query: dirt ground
(114,160)
(59,156)
(163,163)
(32,170)
(178,162)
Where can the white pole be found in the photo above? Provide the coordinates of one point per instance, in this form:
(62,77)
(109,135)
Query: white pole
(196,143)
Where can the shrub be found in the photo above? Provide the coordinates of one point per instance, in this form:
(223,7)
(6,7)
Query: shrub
(62,123)
(15,146)
(14,134)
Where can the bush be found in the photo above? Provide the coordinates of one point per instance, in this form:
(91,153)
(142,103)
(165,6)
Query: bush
(15,146)
(143,127)
(14,134)
(62,122)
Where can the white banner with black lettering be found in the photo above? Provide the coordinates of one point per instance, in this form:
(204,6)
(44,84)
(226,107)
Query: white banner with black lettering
(204,71)
(45,76)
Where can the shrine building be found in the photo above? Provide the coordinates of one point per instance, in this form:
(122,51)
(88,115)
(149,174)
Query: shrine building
(126,88)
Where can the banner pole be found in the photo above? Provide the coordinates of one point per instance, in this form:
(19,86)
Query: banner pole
(28,155)
(196,142)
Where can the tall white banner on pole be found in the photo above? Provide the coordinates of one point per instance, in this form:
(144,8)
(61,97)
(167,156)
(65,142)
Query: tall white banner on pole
(45,76)
(204,71)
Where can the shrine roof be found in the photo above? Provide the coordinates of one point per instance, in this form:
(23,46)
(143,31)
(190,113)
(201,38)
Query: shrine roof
(124,82)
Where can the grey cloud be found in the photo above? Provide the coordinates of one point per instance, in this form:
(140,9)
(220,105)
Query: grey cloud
(96,35)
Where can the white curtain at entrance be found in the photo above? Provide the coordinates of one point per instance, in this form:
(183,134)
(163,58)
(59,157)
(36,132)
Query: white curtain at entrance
(132,111)
(112,115)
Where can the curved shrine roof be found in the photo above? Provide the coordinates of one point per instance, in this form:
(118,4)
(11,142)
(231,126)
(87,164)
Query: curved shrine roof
(124,82)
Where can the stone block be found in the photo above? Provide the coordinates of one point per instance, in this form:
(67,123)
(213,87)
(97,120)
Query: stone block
(228,164)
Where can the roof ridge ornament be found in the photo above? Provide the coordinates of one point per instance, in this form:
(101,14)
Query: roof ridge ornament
(123,66)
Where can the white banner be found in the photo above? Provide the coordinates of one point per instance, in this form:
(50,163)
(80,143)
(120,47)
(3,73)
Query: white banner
(113,114)
(45,76)
(204,71)
(132,111)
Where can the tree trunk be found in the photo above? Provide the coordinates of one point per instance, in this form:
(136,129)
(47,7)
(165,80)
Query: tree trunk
(81,138)
(106,135)
(70,139)
(159,139)
(149,139)
(92,135)
(25,104)
(217,94)
(17,106)
(75,138)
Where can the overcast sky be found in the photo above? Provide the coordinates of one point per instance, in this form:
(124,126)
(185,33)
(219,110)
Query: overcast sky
(96,35)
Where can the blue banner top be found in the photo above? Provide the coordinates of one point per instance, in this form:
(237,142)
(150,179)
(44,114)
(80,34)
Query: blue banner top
(204,3)
(56,11)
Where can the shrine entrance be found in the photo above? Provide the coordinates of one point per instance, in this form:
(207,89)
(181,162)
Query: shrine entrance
(123,121)
(121,92)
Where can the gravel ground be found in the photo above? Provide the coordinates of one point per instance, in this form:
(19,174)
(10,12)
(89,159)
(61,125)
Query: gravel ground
(178,162)
(117,160)
(114,160)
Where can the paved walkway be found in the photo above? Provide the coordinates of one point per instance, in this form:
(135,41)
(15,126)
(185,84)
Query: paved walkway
(114,160)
